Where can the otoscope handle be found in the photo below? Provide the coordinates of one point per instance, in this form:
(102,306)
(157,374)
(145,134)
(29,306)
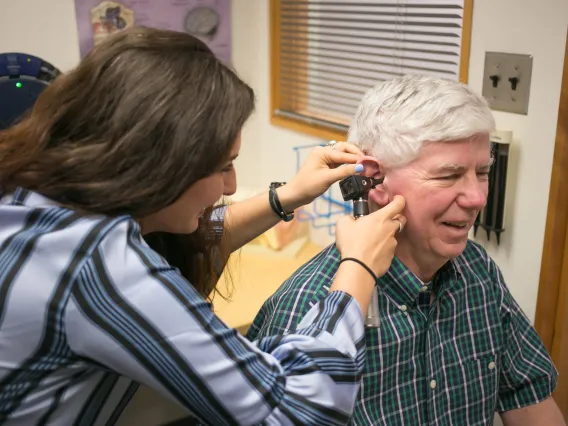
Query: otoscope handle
(372,320)
(360,209)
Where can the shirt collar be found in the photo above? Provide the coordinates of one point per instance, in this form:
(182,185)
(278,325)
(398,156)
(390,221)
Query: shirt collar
(23,197)
(403,287)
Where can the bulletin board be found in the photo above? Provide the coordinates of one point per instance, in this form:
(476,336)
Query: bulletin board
(208,20)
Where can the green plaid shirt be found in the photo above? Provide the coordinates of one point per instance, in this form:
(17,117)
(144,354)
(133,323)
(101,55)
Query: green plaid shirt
(455,361)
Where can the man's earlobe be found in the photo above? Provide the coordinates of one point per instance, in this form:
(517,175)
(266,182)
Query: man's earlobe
(379,196)
(371,165)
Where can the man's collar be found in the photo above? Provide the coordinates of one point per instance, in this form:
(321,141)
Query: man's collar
(402,286)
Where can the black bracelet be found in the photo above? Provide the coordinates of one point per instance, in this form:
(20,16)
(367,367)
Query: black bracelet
(275,202)
(369,270)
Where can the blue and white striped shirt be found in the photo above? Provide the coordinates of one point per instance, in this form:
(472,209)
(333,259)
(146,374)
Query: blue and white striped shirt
(88,311)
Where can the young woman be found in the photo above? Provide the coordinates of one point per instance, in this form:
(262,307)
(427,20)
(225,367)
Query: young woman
(130,151)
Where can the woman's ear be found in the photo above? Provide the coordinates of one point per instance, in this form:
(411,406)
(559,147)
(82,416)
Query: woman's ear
(371,166)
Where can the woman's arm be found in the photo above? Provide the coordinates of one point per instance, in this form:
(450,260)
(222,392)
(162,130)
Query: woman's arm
(134,314)
(246,220)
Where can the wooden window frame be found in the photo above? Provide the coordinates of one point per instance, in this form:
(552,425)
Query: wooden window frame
(315,129)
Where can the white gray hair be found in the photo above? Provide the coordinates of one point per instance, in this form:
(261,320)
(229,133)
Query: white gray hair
(397,117)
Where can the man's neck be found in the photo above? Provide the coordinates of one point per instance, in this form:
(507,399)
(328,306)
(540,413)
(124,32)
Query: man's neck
(424,267)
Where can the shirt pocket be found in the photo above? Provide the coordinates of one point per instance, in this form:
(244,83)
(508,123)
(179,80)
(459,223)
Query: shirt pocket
(473,386)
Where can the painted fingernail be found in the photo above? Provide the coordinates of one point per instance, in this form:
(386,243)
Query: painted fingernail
(359,168)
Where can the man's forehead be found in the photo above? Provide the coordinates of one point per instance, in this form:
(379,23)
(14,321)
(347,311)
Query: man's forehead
(455,154)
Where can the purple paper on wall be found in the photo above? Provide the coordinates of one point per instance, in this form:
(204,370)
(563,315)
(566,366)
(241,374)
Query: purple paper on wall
(210,20)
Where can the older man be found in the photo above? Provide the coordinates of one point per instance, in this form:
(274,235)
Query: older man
(453,345)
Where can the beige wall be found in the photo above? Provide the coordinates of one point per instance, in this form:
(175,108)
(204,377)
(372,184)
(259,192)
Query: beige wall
(43,28)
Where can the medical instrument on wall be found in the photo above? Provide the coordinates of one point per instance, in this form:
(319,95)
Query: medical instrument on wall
(356,188)
(492,217)
(22,78)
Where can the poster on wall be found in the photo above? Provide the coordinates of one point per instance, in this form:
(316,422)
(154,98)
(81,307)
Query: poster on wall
(209,20)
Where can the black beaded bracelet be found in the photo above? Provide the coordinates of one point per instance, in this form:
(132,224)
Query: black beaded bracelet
(369,270)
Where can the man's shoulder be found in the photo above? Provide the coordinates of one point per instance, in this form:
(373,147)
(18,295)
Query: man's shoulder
(309,284)
(475,251)
(478,270)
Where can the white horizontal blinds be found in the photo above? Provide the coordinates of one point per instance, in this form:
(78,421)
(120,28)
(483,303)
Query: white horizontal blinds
(332,52)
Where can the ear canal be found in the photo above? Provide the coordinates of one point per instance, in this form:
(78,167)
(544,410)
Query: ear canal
(371,166)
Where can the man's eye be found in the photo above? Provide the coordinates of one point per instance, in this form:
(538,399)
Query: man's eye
(449,177)
(228,168)
(483,175)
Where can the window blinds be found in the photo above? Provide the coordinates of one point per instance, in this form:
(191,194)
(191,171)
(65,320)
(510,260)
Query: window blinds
(329,53)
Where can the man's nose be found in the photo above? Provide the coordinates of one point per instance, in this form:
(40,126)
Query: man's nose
(474,195)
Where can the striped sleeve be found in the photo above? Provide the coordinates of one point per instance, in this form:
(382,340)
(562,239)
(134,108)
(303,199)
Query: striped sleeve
(132,313)
(527,374)
(309,285)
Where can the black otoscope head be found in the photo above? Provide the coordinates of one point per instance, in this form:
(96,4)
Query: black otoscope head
(356,188)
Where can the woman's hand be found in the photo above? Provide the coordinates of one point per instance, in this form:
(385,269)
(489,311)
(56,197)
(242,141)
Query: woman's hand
(323,167)
(371,239)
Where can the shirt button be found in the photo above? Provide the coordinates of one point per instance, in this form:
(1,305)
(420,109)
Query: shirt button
(403,308)
(425,288)
(491,365)
(433,384)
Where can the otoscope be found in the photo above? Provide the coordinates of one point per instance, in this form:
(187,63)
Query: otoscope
(356,188)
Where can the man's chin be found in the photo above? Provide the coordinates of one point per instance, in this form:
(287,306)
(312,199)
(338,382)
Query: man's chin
(451,250)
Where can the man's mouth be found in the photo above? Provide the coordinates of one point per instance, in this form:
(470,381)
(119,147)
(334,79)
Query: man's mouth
(457,225)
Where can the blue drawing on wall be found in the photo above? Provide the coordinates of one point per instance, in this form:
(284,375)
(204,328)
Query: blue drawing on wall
(325,210)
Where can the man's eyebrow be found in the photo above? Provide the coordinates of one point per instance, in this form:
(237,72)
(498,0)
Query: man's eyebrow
(487,165)
(460,168)
(450,167)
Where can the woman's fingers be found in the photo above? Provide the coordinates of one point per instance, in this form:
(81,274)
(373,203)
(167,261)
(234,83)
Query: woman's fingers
(347,147)
(394,209)
(334,158)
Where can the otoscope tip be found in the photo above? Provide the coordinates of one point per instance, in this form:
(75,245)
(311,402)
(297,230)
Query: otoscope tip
(377,181)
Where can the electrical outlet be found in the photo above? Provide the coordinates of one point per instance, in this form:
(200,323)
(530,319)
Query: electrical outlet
(507,81)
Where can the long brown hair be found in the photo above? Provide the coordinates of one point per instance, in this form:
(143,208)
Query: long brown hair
(145,115)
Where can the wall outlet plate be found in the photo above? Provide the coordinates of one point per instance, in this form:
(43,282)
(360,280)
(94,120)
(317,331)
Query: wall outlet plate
(507,81)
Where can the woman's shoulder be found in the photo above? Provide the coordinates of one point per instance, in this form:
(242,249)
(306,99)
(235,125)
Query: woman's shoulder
(30,219)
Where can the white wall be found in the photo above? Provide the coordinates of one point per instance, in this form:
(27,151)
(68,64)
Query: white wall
(266,154)
(537,28)
(42,28)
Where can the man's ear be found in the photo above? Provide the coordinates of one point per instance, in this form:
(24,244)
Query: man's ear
(371,165)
